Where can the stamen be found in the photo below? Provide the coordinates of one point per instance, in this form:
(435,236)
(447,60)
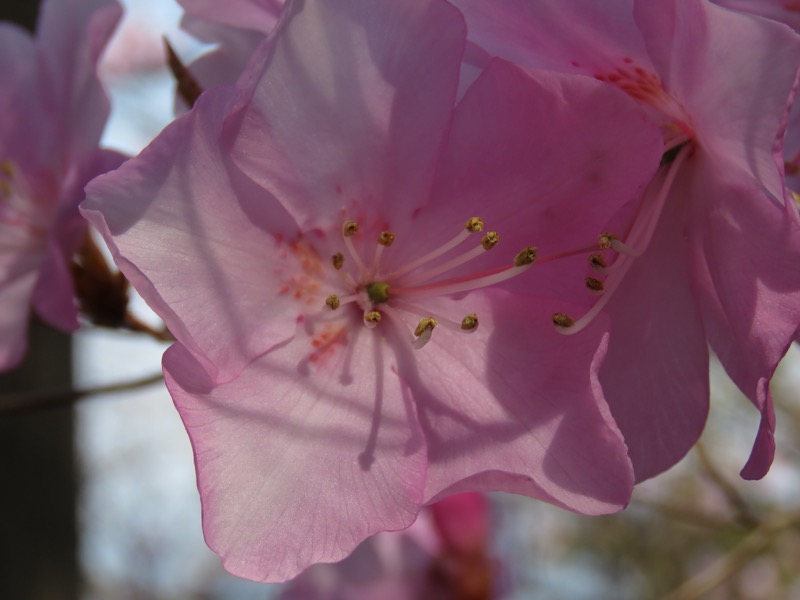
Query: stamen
(385,239)
(349,229)
(338,261)
(372,318)
(604,240)
(563,321)
(490,240)
(333,301)
(473,225)
(470,323)
(424,331)
(598,263)
(594,285)
(526,257)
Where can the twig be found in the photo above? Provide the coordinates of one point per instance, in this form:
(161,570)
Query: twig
(744,514)
(16,403)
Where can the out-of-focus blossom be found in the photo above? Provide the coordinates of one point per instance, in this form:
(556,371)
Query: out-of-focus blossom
(444,555)
(52,113)
(712,250)
(312,240)
(235,27)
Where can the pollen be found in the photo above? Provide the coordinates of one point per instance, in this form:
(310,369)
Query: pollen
(526,257)
(386,238)
(562,320)
(597,262)
(333,301)
(372,318)
(338,261)
(604,240)
(469,323)
(350,228)
(490,240)
(474,225)
(426,324)
(594,285)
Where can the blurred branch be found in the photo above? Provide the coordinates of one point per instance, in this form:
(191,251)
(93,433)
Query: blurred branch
(730,564)
(688,515)
(744,514)
(14,403)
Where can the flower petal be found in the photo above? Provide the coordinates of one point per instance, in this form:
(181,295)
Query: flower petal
(296,462)
(655,375)
(352,105)
(516,407)
(746,257)
(196,240)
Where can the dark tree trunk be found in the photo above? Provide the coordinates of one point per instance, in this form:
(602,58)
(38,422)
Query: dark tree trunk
(38,485)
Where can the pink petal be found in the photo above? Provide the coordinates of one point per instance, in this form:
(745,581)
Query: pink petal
(324,133)
(519,410)
(746,257)
(576,36)
(655,375)
(73,34)
(546,159)
(16,286)
(197,240)
(252,15)
(296,463)
(733,73)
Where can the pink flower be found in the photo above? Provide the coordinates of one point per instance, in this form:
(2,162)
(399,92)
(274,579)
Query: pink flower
(427,561)
(711,254)
(52,112)
(311,239)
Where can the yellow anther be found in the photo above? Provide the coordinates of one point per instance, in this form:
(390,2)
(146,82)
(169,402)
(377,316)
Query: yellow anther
(474,225)
(604,240)
(597,262)
(490,240)
(428,323)
(526,257)
(562,320)
(6,168)
(594,285)
(372,318)
(332,301)
(350,228)
(470,322)
(386,238)
(337,260)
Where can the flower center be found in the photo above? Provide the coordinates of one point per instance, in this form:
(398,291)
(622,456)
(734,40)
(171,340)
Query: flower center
(645,87)
(400,293)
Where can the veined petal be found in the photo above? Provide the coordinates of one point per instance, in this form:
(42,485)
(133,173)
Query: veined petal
(746,254)
(519,409)
(338,119)
(303,470)
(733,73)
(655,374)
(187,232)
(546,159)
(74,33)
(253,15)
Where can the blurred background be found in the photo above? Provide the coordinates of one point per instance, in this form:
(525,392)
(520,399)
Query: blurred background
(127,473)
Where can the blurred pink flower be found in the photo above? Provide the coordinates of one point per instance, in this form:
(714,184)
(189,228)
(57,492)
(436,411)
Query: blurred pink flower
(427,561)
(712,252)
(303,237)
(52,113)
